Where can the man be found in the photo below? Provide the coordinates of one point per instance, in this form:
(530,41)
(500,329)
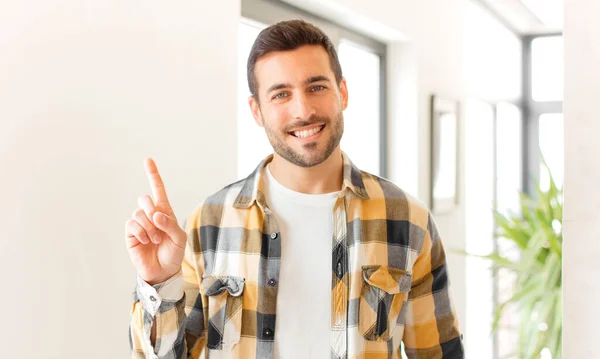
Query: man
(308,257)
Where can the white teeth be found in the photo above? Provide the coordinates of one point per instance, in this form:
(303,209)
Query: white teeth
(307,133)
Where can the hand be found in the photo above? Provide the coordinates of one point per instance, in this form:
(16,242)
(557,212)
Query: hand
(155,241)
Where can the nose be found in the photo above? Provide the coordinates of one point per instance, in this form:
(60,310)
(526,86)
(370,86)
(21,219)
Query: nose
(302,107)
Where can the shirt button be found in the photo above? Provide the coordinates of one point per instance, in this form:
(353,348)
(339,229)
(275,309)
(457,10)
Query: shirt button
(273,235)
(267,332)
(152,298)
(272,282)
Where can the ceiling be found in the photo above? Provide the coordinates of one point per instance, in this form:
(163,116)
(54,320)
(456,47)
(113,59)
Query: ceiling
(529,17)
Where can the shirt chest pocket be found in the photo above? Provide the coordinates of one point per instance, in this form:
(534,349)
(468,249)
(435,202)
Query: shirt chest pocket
(383,294)
(224,310)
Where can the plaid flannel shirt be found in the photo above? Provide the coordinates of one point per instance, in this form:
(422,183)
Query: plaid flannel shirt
(389,279)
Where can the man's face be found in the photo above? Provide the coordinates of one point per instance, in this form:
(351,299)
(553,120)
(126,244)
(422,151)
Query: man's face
(300,104)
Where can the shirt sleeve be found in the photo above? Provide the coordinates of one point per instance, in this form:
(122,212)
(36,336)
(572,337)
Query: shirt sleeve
(431,330)
(177,308)
(151,296)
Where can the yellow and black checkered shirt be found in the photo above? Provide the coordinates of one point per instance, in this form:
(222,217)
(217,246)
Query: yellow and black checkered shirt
(389,279)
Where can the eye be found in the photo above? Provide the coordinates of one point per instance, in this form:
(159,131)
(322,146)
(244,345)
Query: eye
(280,95)
(317,88)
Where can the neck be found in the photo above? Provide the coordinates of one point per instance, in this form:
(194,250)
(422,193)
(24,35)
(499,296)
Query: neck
(325,177)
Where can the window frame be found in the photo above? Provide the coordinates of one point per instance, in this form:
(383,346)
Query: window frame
(532,110)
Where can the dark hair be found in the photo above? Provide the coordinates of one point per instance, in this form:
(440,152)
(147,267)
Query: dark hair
(285,36)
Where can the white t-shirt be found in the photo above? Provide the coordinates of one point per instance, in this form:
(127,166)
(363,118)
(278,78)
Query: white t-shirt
(304,297)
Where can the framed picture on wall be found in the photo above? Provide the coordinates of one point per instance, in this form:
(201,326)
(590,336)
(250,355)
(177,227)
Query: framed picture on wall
(444,154)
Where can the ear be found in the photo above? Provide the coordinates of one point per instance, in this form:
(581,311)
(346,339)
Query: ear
(344,94)
(255,108)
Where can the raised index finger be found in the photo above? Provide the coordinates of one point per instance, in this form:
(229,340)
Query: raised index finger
(156,184)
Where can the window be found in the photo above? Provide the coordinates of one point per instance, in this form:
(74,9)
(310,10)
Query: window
(363,66)
(547,68)
(253,145)
(543,99)
(493,178)
(551,140)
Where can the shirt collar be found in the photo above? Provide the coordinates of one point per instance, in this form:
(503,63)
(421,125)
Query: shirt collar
(252,189)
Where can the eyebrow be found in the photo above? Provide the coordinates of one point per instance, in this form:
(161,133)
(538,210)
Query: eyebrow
(310,80)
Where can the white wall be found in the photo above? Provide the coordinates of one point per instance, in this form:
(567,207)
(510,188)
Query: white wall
(88,89)
(581,228)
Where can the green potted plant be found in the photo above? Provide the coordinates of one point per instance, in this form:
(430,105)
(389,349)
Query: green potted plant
(536,236)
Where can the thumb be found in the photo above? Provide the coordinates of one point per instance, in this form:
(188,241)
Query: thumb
(168,225)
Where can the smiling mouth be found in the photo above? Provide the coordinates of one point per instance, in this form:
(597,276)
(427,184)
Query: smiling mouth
(307,133)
